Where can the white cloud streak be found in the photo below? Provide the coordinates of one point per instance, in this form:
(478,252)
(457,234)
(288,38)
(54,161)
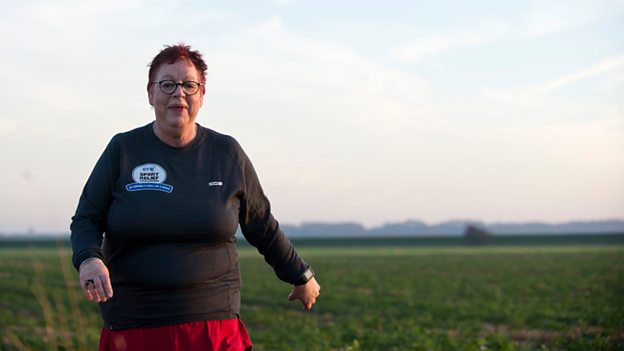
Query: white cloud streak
(538,96)
(605,66)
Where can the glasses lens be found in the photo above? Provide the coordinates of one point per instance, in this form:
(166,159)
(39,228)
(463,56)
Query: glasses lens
(167,86)
(190,88)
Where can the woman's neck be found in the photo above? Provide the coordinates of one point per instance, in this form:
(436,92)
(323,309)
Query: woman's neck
(175,137)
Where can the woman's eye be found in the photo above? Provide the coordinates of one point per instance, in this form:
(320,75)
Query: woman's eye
(167,85)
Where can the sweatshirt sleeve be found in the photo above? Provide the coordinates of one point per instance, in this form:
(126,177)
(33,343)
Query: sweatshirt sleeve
(89,223)
(262,230)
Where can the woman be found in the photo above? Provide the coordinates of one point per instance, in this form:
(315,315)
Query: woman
(153,235)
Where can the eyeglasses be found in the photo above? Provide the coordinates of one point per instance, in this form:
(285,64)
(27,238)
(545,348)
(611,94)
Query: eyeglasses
(169,86)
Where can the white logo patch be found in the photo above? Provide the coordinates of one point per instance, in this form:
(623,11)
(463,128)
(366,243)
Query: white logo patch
(149,176)
(215,184)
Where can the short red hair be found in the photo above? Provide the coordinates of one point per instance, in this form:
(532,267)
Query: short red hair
(172,53)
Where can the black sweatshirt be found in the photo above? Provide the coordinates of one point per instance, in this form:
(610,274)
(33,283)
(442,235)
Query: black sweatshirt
(169,217)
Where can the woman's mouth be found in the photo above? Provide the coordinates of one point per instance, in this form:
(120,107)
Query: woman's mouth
(178,108)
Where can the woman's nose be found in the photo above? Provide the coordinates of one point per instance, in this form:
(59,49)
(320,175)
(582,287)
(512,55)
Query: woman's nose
(178,91)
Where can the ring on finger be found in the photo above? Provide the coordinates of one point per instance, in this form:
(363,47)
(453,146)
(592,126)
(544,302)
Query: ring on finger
(89,281)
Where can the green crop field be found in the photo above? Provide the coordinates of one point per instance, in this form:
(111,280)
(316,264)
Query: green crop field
(393,297)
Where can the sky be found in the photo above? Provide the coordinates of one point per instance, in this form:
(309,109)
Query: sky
(351,111)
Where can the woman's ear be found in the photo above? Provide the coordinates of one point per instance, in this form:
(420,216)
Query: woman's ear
(150,94)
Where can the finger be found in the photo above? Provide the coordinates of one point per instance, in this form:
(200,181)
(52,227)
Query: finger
(291,297)
(307,303)
(92,295)
(108,287)
(311,303)
(85,289)
(99,288)
(109,290)
(93,292)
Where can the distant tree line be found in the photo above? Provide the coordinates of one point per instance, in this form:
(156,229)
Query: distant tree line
(474,235)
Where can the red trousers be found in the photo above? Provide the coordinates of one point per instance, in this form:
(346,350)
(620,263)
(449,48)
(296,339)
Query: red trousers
(215,335)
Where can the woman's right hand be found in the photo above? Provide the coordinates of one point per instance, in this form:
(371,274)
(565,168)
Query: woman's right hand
(95,280)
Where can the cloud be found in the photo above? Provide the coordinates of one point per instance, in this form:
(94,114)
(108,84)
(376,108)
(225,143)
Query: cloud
(540,19)
(61,13)
(321,81)
(281,2)
(607,65)
(548,17)
(273,25)
(322,116)
(8,127)
(533,95)
(416,51)
(437,43)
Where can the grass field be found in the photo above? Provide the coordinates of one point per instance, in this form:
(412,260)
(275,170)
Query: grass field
(404,297)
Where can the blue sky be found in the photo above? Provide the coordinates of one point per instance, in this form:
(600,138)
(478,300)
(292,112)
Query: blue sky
(363,111)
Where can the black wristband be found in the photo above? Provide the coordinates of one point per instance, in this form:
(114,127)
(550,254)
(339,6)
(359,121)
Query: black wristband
(305,277)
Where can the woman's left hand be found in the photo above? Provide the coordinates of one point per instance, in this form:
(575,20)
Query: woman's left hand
(307,293)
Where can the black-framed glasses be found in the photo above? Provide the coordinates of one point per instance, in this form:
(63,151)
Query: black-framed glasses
(169,86)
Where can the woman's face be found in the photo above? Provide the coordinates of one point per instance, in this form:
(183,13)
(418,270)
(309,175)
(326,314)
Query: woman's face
(176,111)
